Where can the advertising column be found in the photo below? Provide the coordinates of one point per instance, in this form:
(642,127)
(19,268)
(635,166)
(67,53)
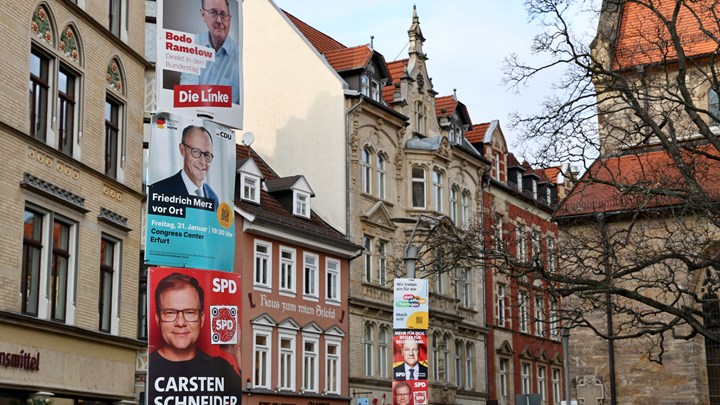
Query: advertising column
(410,360)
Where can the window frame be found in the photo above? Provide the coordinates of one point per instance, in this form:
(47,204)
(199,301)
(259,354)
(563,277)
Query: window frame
(541,371)
(383,345)
(250,192)
(503,372)
(115,268)
(465,208)
(418,187)
(369,349)
(520,243)
(287,357)
(454,203)
(337,357)
(311,287)
(367,259)
(501,305)
(39,120)
(310,358)
(113,144)
(263,283)
(301,204)
(525,377)
(382,262)
(67,133)
(262,358)
(437,186)
(556,386)
(469,369)
(333,288)
(539,316)
(288,271)
(523,311)
(366,170)
(381,172)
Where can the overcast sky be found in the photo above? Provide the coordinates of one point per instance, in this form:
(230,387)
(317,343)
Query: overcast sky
(466,42)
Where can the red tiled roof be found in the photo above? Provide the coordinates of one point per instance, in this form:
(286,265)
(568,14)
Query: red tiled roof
(512,160)
(349,58)
(552,173)
(477,133)
(643,39)
(322,42)
(650,180)
(447,103)
(396,69)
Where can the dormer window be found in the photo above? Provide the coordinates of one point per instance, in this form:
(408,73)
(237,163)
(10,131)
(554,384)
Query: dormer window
(534,189)
(497,165)
(365,85)
(301,204)
(375,90)
(548,195)
(519,181)
(250,186)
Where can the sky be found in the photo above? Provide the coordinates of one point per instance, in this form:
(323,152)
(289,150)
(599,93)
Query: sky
(466,42)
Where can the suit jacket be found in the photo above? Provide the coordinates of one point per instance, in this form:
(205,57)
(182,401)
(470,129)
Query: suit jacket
(399,372)
(175,185)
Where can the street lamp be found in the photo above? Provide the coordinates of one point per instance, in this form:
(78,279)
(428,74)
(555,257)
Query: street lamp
(410,256)
(565,333)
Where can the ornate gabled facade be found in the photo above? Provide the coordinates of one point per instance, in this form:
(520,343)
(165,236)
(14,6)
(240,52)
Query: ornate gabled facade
(71,128)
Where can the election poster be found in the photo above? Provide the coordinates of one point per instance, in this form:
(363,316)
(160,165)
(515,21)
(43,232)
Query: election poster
(410,392)
(193,345)
(410,357)
(410,306)
(191,184)
(199,59)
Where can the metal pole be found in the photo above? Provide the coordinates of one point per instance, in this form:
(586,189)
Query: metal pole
(566,362)
(608,307)
(410,259)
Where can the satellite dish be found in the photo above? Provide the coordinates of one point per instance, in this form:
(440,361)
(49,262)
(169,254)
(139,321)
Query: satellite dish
(247,138)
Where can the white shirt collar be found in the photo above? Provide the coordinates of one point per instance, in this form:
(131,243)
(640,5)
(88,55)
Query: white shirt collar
(191,187)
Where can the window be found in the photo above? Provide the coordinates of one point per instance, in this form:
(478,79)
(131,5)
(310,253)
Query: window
(250,186)
(39,90)
(112,137)
(382,262)
(420,117)
(525,378)
(496,165)
(548,195)
(541,383)
(368,349)
(365,85)
(446,358)
(332,277)
(469,355)
(302,204)
(551,254)
(310,366)
(366,171)
(287,269)
(714,106)
(418,187)
(519,181)
(554,329)
(48,265)
(375,90)
(503,379)
(67,94)
(520,239)
(535,244)
(539,316)
(534,189)
(261,360)
(367,258)
(286,379)
(380,167)
(466,209)
(383,351)
(462,285)
(498,231)
(437,190)
(523,312)
(436,356)
(263,268)
(109,279)
(117,16)
(459,378)
(332,368)
(500,305)
(556,385)
(310,281)
(454,204)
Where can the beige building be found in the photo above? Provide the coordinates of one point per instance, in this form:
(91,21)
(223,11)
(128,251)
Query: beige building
(71,196)
(371,139)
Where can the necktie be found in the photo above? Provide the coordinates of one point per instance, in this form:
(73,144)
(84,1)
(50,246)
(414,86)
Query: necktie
(198,192)
(412,371)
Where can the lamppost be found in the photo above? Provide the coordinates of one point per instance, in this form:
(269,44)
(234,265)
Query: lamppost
(410,256)
(565,333)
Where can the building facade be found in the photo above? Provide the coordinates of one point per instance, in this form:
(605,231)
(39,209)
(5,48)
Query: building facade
(71,126)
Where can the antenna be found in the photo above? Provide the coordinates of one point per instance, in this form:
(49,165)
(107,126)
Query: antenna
(247,138)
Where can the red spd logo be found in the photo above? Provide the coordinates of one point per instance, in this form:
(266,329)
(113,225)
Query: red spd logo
(420,397)
(198,95)
(223,324)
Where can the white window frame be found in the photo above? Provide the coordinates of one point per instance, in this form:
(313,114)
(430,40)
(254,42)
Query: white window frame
(366,170)
(523,311)
(367,259)
(117,276)
(539,316)
(525,371)
(383,345)
(466,212)
(418,181)
(534,189)
(380,167)
(310,360)
(375,90)
(535,243)
(122,135)
(382,262)
(463,291)
(437,186)
(263,260)
(311,287)
(520,180)
(556,373)
(469,369)
(550,249)
(287,356)
(496,166)
(331,388)
(288,271)
(503,371)
(250,186)
(459,377)
(501,305)
(520,241)
(301,204)
(369,349)
(541,382)
(332,281)
(264,354)
(453,214)
(554,329)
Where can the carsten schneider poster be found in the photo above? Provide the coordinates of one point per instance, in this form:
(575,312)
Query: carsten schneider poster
(191,178)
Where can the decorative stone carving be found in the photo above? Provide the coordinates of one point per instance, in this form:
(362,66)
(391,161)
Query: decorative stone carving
(590,390)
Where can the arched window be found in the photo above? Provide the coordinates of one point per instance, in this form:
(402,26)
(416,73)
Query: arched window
(418,187)
(469,369)
(436,355)
(383,351)
(420,117)
(366,167)
(368,349)
(466,212)
(459,378)
(380,168)
(454,192)
(114,119)
(437,182)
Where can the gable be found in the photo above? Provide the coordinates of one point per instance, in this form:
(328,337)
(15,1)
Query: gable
(379,216)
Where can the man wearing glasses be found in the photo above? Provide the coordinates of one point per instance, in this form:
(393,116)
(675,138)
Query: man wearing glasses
(179,370)
(225,70)
(401,393)
(196,149)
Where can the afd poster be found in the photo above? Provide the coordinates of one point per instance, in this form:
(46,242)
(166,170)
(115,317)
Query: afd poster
(410,306)
(199,59)
(191,178)
(410,357)
(193,329)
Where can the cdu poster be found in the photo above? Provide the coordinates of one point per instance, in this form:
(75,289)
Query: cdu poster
(191,177)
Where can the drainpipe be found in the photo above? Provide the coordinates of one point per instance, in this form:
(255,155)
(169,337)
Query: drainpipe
(347,166)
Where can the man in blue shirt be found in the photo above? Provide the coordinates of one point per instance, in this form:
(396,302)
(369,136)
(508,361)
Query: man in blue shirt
(225,70)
